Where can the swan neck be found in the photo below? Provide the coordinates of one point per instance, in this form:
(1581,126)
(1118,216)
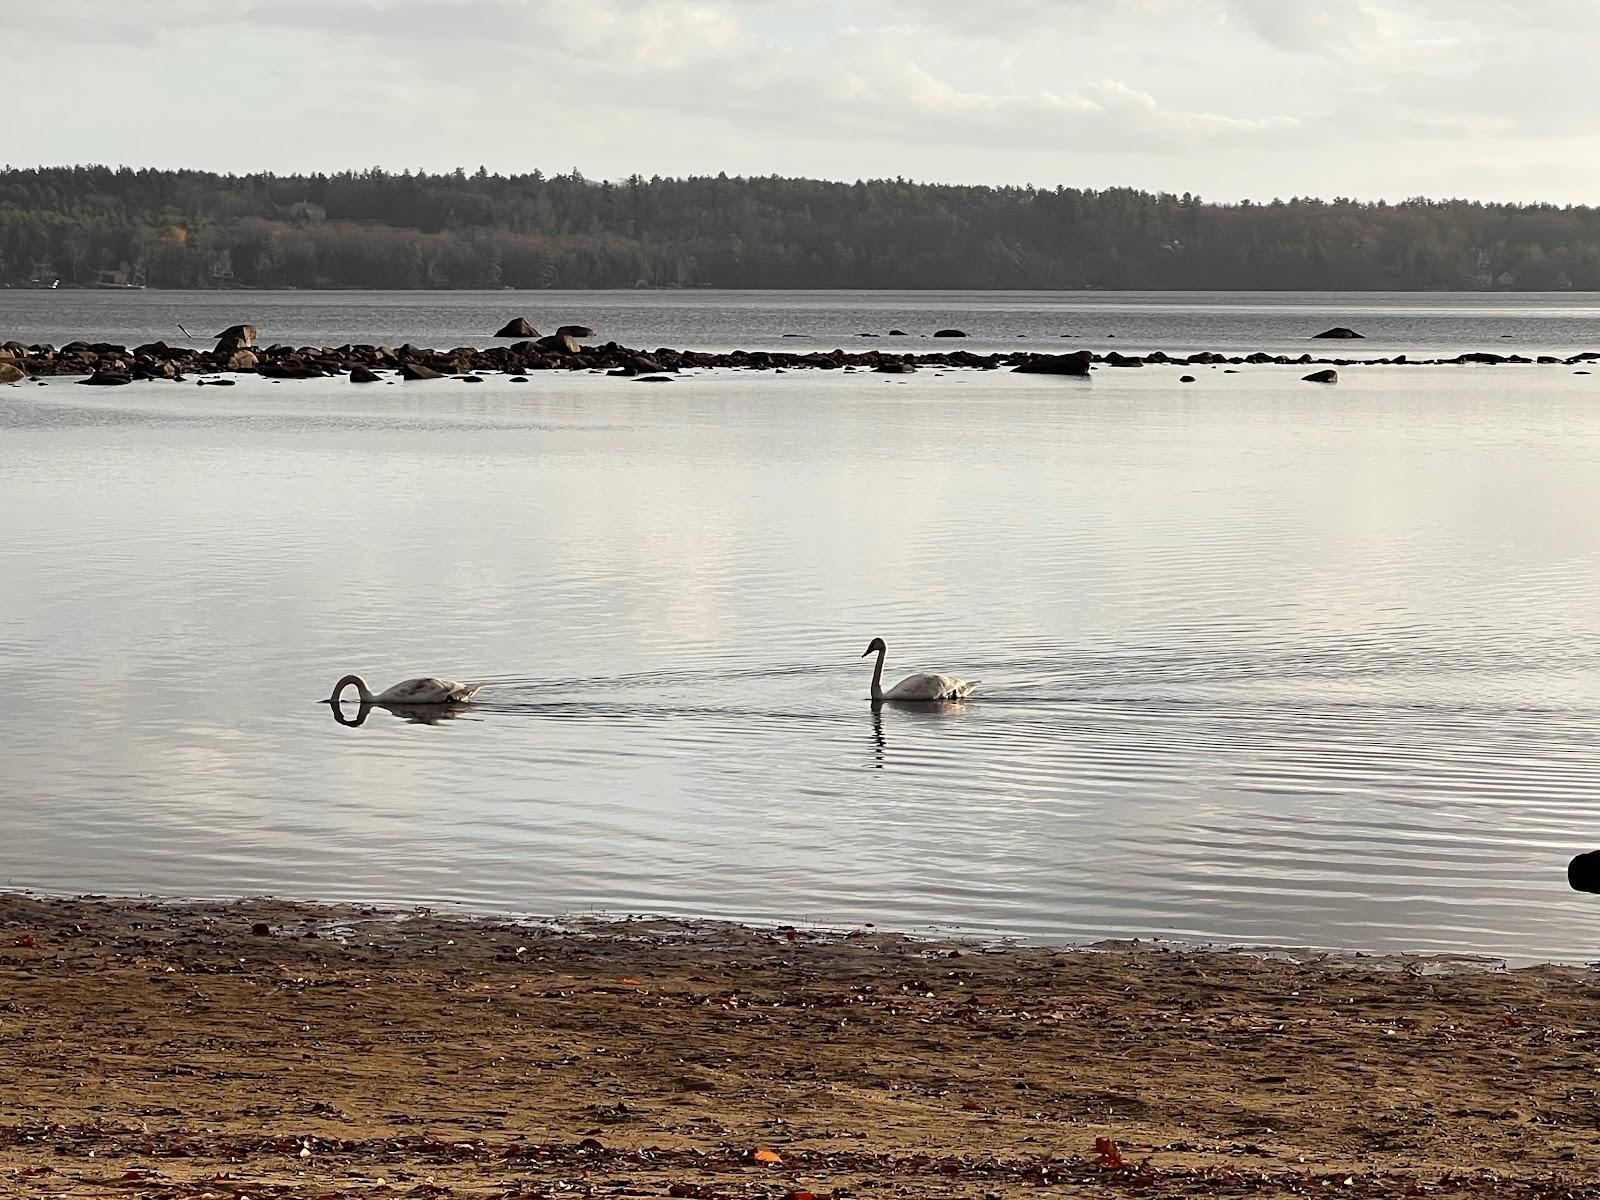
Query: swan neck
(358,683)
(877,675)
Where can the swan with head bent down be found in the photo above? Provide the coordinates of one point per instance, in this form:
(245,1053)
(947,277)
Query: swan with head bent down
(915,687)
(413,691)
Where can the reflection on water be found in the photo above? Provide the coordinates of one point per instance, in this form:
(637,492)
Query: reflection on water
(416,714)
(1260,663)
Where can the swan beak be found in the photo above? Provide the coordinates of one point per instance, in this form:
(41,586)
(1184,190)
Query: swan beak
(866,652)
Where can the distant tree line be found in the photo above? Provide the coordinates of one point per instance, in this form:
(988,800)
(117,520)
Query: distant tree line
(380,229)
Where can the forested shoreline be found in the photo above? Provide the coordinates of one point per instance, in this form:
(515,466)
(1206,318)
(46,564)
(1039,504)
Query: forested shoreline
(100,226)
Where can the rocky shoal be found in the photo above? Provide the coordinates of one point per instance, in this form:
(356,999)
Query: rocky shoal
(106,363)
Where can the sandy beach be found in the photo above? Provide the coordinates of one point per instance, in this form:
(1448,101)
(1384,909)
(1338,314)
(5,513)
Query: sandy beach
(268,1049)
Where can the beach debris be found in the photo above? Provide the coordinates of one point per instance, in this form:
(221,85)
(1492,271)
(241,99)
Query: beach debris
(1107,1154)
(770,1157)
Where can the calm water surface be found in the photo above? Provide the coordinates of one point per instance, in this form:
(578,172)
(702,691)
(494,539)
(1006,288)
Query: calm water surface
(1261,662)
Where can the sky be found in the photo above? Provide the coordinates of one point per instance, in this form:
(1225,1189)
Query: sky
(1229,99)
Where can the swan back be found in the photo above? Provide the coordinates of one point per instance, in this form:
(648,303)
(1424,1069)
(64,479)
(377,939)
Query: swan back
(428,690)
(931,687)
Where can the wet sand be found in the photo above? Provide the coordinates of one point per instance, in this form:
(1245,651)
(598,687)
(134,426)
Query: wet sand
(268,1049)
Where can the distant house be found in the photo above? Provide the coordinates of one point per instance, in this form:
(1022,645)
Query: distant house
(222,265)
(123,276)
(304,210)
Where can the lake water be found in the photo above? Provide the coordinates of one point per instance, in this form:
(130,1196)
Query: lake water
(1262,662)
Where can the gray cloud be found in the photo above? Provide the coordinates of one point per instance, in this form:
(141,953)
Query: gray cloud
(1225,97)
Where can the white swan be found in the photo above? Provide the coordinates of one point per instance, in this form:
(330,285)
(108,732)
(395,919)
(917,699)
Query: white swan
(413,691)
(915,687)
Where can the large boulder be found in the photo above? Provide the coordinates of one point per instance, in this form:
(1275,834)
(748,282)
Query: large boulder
(1076,363)
(360,374)
(949,333)
(244,335)
(107,379)
(10,372)
(419,371)
(241,360)
(573,331)
(1338,331)
(1327,376)
(520,328)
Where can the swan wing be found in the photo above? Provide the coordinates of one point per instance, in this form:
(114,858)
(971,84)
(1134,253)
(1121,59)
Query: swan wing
(427,690)
(930,687)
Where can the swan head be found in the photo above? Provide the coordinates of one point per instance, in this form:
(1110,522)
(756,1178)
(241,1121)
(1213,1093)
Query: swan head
(876,646)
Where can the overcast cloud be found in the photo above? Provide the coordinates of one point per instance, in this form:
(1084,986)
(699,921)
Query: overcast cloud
(1227,98)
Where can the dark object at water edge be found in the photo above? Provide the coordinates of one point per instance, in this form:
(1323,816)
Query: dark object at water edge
(949,333)
(1583,872)
(1338,331)
(518,329)
(1328,376)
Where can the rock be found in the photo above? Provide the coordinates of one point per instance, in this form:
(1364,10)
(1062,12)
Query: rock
(652,378)
(360,374)
(107,379)
(261,929)
(518,329)
(519,379)
(241,360)
(560,343)
(1583,872)
(1056,364)
(1338,331)
(895,368)
(245,335)
(572,331)
(949,333)
(1186,379)
(1328,376)
(213,383)
(418,371)
(11,373)
(1482,356)
(898,333)
(471,379)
